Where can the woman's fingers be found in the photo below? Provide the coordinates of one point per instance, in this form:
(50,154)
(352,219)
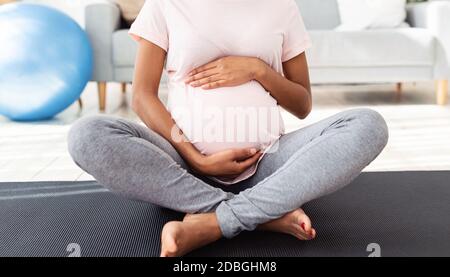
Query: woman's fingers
(243,165)
(202,68)
(206,81)
(233,162)
(243,153)
(213,85)
(244,158)
(200,76)
(210,79)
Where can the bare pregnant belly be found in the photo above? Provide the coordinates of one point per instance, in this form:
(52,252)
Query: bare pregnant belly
(226,118)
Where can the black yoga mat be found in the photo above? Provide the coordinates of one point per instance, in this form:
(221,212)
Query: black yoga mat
(389,213)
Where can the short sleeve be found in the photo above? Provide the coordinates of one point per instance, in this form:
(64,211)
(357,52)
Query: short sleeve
(296,39)
(151,25)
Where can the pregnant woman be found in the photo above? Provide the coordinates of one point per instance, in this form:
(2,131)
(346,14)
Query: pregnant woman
(218,152)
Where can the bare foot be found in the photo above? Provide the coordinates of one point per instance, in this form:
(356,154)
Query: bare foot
(181,237)
(295,223)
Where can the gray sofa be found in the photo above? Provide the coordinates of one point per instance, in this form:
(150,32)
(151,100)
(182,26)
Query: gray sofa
(419,53)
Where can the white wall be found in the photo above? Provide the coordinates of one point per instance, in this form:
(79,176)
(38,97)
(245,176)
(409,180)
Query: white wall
(74,8)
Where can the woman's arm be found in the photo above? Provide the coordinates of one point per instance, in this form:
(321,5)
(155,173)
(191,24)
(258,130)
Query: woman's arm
(148,69)
(293,92)
(147,105)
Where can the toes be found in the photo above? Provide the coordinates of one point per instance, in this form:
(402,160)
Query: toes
(301,234)
(170,251)
(169,246)
(304,235)
(305,224)
(313,233)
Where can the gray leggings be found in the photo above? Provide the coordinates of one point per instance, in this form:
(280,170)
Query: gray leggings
(133,161)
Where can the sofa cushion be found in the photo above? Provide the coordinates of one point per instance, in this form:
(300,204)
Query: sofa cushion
(124,49)
(374,14)
(319,14)
(129,9)
(388,47)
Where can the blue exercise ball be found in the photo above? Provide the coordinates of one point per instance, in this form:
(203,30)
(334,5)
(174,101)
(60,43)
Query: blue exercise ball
(45,61)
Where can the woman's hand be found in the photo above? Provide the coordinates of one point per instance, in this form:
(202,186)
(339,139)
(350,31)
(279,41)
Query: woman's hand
(227,163)
(226,72)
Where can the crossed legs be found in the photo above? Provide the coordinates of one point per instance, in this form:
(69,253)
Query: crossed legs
(133,161)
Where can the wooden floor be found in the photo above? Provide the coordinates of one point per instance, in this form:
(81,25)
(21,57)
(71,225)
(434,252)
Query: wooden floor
(419,130)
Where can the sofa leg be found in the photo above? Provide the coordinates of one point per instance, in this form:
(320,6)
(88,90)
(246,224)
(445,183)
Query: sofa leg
(124,87)
(442,92)
(101,95)
(398,92)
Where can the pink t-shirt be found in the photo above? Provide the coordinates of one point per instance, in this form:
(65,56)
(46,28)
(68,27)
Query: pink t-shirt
(196,32)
